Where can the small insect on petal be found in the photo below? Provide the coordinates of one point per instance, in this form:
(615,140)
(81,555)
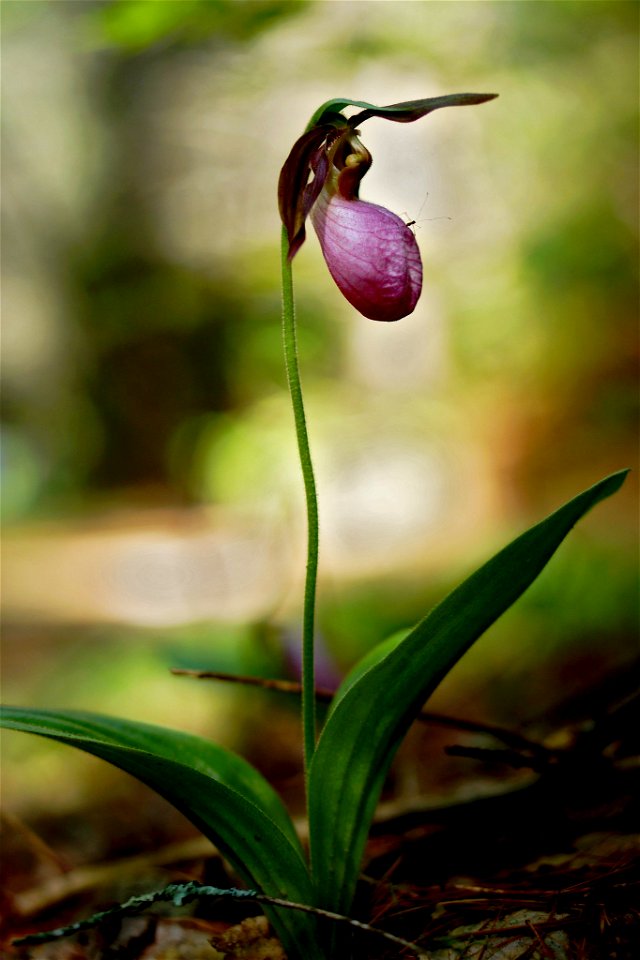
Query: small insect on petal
(371,254)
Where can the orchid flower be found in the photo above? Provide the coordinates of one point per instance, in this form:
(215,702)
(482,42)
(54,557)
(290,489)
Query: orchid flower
(371,253)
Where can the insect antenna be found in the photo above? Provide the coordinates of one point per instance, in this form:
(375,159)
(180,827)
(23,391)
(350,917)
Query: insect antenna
(416,221)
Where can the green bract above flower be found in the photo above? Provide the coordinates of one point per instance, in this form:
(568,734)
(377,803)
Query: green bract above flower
(370,252)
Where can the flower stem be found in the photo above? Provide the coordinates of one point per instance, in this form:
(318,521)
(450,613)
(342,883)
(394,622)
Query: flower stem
(295,389)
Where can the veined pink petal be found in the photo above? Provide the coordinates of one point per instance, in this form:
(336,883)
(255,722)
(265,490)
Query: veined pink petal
(371,253)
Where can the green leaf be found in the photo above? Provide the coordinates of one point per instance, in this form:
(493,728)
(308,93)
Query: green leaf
(370,719)
(365,663)
(218,791)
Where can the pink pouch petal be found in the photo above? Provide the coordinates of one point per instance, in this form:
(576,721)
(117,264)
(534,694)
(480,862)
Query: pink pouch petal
(371,254)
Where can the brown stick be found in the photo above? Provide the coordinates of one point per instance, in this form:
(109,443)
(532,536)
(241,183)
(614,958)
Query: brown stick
(324,695)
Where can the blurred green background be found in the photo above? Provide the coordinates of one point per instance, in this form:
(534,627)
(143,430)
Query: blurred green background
(152,505)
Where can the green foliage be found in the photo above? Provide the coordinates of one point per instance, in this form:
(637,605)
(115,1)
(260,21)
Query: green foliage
(136,25)
(218,791)
(371,715)
(236,807)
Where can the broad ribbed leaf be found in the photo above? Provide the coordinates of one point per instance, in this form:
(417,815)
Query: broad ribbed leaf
(369,721)
(218,791)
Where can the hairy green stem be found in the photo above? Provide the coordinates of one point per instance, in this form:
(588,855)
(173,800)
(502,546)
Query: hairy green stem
(295,389)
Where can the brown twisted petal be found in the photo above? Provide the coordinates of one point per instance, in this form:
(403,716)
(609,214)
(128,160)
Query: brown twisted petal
(296,195)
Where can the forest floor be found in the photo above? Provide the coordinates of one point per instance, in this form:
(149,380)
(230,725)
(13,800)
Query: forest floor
(538,858)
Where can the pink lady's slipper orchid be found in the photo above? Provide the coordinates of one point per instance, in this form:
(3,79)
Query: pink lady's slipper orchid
(371,253)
